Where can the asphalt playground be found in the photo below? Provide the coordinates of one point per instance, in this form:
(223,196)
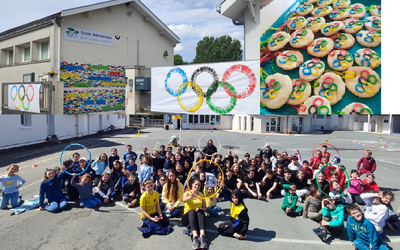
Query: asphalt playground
(114,226)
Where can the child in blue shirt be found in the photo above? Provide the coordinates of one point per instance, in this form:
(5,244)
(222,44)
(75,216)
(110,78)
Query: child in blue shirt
(129,154)
(361,231)
(50,188)
(99,165)
(85,191)
(10,186)
(132,166)
(145,169)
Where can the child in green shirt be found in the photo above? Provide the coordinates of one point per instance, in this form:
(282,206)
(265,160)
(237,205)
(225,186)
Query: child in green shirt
(290,200)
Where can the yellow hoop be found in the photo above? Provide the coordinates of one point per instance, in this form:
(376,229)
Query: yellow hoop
(188,184)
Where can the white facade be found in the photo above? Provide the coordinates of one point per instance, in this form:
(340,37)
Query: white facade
(200,122)
(247,13)
(21,130)
(40,46)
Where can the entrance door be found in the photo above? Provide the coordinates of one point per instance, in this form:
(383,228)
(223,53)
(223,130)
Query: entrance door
(184,122)
(373,125)
(385,126)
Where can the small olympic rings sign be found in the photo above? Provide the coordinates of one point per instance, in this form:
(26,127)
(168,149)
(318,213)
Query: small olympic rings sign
(21,96)
(227,83)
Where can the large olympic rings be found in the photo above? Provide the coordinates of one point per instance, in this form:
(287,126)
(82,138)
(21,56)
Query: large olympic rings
(337,166)
(188,184)
(324,143)
(21,93)
(88,163)
(229,89)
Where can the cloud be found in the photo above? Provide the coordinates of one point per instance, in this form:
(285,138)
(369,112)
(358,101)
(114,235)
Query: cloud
(178,48)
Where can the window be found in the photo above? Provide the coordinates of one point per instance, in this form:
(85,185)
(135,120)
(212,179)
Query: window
(320,116)
(196,119)
(27,54)
(10,57)
(191,119)
(44,50)
(201,118)
(207,119)
(26,120)
(217,120)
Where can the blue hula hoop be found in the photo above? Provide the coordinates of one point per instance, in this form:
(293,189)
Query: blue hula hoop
(76,144)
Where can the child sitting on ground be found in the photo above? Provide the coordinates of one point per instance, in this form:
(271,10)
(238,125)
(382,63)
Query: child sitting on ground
(375,211)
(393,216)
(370,184)
(307,170)
(106,188)
(212,208)
(289,205)
(361,231)
(239,220)
(50,188)
(312,205)
(131,191)
(336,195)
(333,219)
(322,183)
(131,165)
(368,163)
(355,187)
(150,212)
(84,187)
(301,185)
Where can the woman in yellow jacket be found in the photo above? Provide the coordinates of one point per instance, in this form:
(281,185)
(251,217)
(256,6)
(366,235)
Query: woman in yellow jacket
(193,214)
(172,195)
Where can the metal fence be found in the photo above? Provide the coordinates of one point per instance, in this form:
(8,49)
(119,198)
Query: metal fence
(142,122)
(45,97)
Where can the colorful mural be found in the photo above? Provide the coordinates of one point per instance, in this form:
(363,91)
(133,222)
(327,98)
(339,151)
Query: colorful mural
(92,88)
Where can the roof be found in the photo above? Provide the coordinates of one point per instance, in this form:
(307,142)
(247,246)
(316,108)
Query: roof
(137,4)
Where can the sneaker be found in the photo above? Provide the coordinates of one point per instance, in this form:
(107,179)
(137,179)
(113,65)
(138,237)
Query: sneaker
(322,236)
(236,235)
(196,242)
(203,242)
(221,213)
(317,230)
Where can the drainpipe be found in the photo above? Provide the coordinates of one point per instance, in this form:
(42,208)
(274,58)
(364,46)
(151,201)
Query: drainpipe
(237,23)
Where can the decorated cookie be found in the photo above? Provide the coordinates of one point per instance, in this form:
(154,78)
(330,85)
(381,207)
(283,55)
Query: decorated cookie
(373,23)
(316,105)
(304,9)
(311,69)
(352,25)
(339,14)
(341,3)
(367,58)
(289,59)
(368,38)
(320,47)
(300,93)
(301,38)
(356,108)
(315,23)
(324,2)
(278,40)
(331,87)
(322,11)
(375,10)
(275,90)
(362,81)
(343,41)
(340,60)
(332,28)
(297,23)
(357,10)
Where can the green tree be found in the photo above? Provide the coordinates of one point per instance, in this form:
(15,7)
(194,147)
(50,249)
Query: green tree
(178,60)
(220,49)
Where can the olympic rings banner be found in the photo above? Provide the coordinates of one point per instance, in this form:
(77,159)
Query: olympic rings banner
(24,97)
(222,88)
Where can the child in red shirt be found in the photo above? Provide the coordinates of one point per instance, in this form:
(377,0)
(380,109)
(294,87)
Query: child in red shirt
(368,163)
(370,184)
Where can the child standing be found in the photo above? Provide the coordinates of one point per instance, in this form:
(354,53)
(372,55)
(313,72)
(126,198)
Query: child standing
(355,187)
(212,208)
(368,163)
(239,220)
(10,186)
(375,211)
(50,188)
(361,231)
(312,205)
(150,212)
(333,219)
(84,188)
(289,205)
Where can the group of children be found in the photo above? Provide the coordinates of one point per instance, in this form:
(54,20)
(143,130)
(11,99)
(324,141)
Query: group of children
(162,181)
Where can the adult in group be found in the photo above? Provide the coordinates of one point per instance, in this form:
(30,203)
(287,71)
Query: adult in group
(171,195)
(266,150)
(194,216)
(209,149)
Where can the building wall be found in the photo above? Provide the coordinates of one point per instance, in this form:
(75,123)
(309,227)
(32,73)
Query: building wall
(131,28)
(251,32)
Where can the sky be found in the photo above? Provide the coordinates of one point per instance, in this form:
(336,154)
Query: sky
(191,20)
